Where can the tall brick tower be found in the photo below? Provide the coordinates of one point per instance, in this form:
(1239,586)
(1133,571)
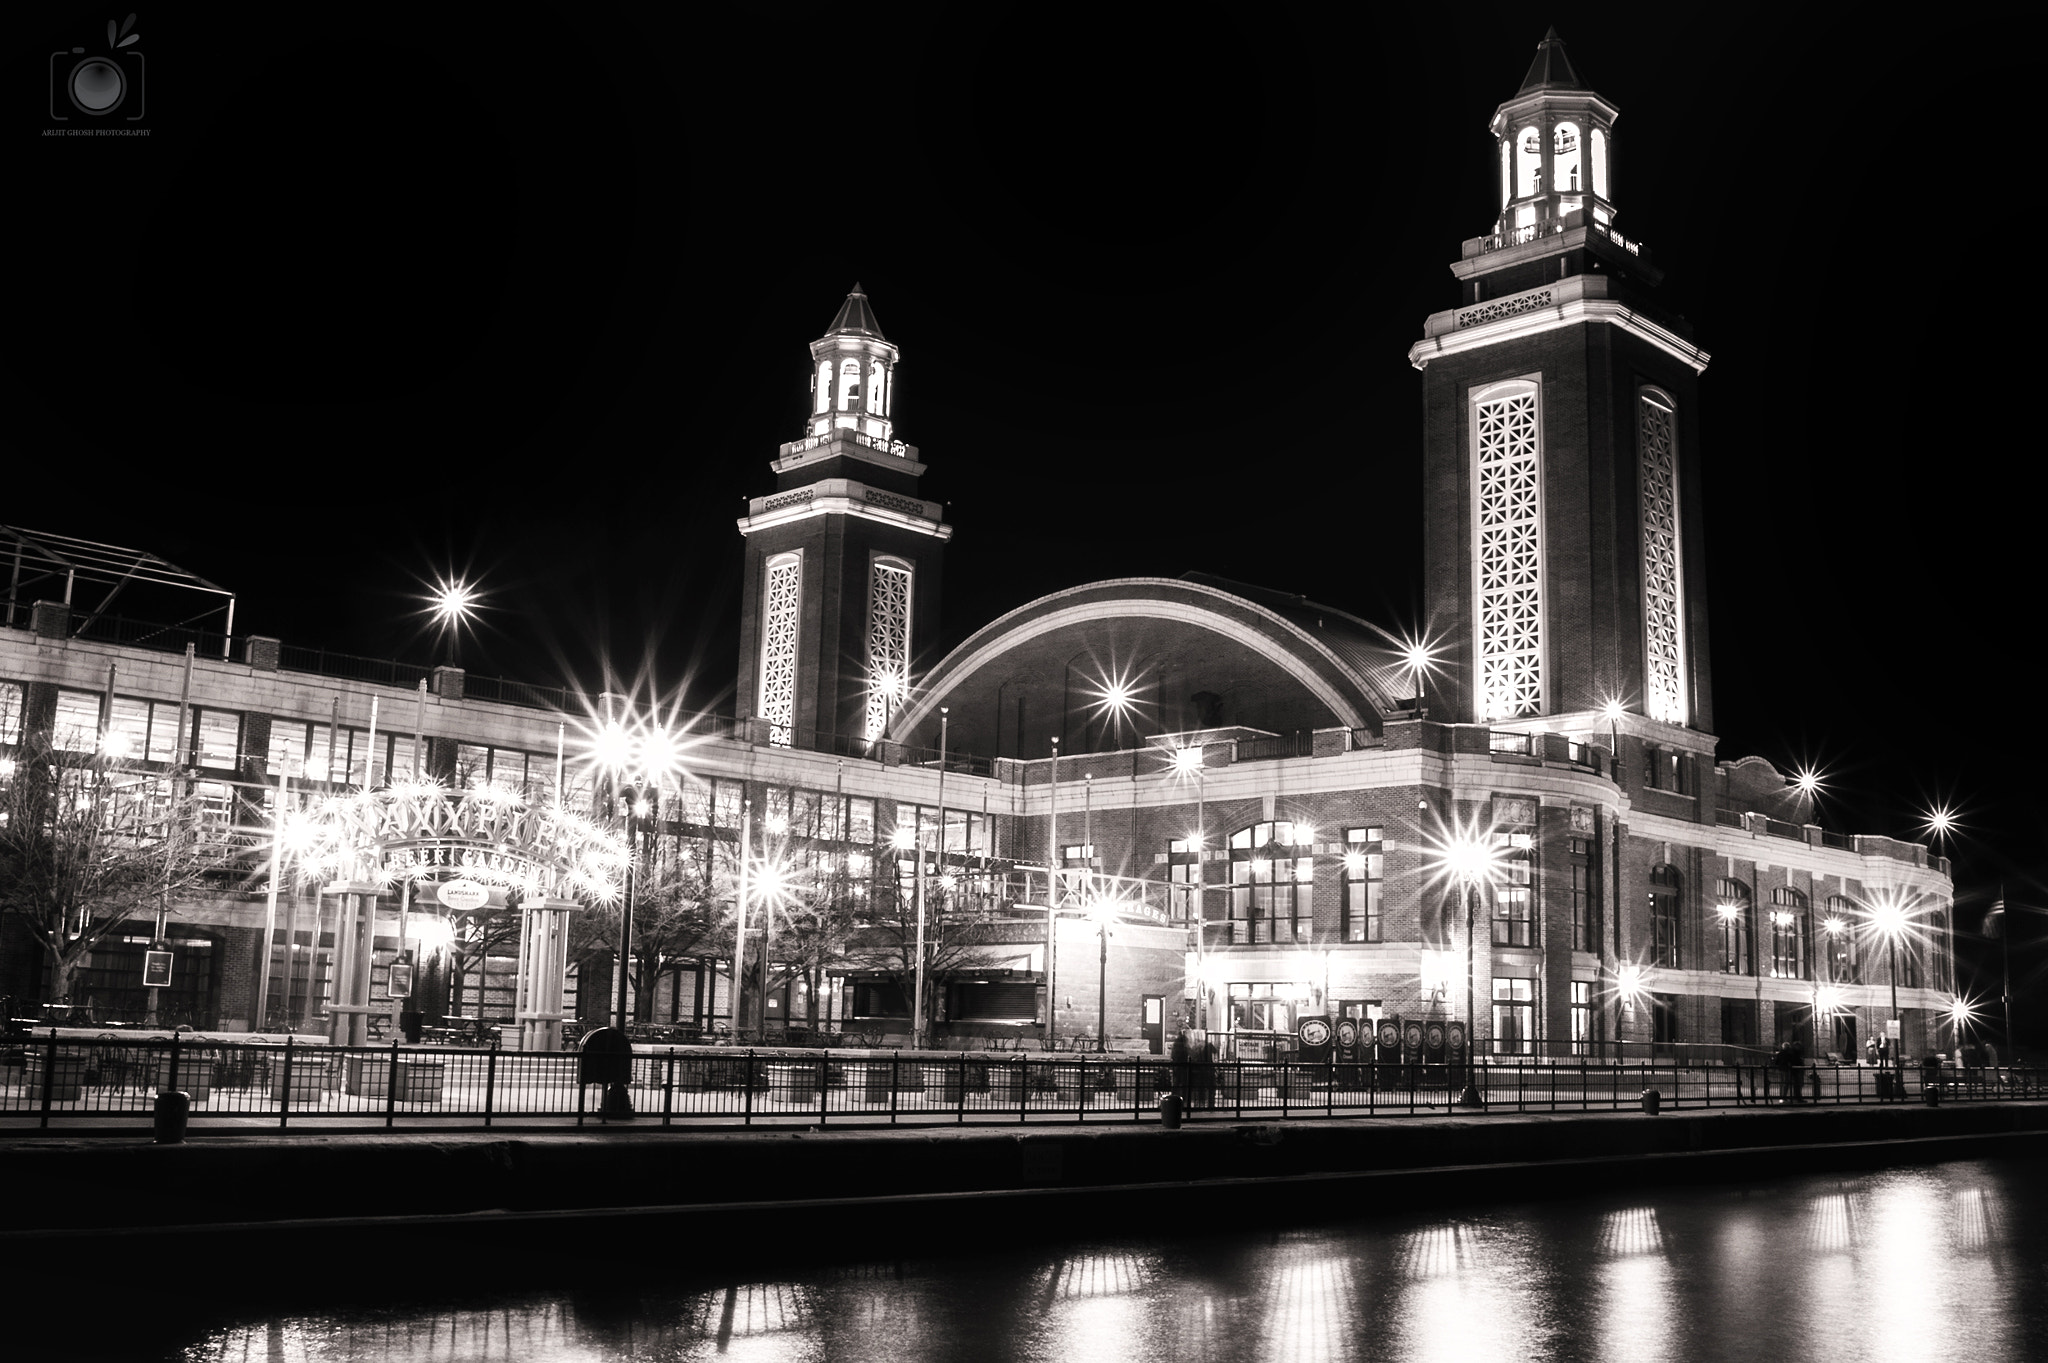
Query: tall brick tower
(843,558)
(1563,539)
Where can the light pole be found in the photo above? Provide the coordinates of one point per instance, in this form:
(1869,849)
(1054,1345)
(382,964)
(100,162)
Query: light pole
(1101,909)
(1472,860)
(1888,915)
(1193,759)
(1052,904)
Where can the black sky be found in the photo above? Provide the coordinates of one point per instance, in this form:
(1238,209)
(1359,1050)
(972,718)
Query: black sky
(524,294)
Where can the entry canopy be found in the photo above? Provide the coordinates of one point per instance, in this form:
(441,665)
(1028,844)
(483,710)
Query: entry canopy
(422,830)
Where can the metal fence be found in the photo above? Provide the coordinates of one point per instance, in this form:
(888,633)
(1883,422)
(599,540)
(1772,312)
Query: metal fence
(255,1086)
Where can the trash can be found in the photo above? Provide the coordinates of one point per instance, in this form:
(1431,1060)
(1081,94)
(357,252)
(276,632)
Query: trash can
(1653,1101)
(1169,1112)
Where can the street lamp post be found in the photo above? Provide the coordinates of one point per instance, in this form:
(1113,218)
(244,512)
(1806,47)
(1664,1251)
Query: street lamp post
(1471,859)
(1052,904)
(1185,760)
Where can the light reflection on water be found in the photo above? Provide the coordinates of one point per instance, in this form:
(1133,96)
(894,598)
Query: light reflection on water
(1905,1264)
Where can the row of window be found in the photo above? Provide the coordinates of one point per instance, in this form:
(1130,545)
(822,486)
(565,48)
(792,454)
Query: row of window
(1790,927)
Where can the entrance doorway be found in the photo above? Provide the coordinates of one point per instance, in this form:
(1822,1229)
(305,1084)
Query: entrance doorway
(1845,1037)
(1155,1023)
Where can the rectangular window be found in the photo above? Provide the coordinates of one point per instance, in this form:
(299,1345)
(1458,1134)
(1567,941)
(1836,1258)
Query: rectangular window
(1734,911)
(1581,867)
(1364,883)
(12,698)
(1664,912)
(693,804)
(1788,934)
(287,744)
(163,732)
(860,821)
(219,735)
(1514,1017)
(472,764)
(78,721)
(128,728)
(726,802)
(1584,1020)
(1272,879)
(1514,896)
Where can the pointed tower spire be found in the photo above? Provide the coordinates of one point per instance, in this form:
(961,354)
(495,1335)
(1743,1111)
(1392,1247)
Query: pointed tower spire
(856,318)
(1552,69)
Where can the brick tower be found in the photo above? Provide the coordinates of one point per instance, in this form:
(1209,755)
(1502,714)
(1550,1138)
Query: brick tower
(842,573)
(1563,540)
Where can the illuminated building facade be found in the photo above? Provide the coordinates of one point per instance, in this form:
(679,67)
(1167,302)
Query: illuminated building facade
(1257,795)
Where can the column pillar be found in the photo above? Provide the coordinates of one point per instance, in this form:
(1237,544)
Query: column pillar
(544,942)
(355,943)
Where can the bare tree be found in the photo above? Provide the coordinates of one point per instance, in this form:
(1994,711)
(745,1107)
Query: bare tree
(88,842)
(958,930)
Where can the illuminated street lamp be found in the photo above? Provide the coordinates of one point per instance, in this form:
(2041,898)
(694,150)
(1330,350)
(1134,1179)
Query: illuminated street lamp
(452,604)
(1471,859)
(1890,917)
(1191,761)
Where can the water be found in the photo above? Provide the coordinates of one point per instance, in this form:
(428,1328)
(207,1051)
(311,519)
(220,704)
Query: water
(1947,1261)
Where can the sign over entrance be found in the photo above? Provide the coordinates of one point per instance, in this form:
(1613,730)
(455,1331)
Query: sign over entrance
(462,895)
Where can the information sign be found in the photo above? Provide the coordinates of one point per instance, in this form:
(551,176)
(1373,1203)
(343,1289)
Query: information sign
(156,969)
(463,895)
(400,986)
(1891,1028)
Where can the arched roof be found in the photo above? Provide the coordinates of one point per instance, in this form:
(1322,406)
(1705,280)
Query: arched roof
(1193,652)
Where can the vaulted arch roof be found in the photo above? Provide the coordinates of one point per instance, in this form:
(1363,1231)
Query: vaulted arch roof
(1193,652)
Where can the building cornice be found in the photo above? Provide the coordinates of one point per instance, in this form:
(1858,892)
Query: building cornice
(845,497)
(1555,317)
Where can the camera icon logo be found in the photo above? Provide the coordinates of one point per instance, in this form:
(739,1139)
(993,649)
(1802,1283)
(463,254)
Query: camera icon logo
(99,85)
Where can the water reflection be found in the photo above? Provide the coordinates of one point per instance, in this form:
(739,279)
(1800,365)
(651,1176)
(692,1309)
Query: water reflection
(1905,1264)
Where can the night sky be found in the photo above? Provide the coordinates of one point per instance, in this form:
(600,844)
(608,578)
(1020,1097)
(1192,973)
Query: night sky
(381,299)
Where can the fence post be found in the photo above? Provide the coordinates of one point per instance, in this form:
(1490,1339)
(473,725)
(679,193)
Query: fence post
(391,1087)
(1081,1091)
(49,1075)
(1138,1092)
(895,1078)
(1023,1090)
(1237,1086)
(961,1096)
(824,1088)
(171,1080)
(750,1088)
(1286,1082)
(490,1085)
(284,1102)
(582,1093)
(668,1086)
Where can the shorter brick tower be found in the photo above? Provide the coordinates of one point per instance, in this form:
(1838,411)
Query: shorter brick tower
(843,558)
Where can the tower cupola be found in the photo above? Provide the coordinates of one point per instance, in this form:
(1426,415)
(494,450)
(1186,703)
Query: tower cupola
(1556,146)
(853,376)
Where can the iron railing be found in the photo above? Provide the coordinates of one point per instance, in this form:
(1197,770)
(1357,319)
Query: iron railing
(52,1079)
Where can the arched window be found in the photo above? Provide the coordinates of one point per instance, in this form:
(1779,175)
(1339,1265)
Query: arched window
(1507,544)
(1838,941)
(1564,157)
(849,384)
(1528,162)
(878,389)
(1600,163)
(1663,575)
(1788,934)
(1507,172)
(1665,885)
(1734,911)
(1272,877)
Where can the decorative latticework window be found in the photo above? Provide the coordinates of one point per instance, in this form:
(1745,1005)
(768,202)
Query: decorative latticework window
(1663,593)
(1510,558)
(888,643)
(779,617)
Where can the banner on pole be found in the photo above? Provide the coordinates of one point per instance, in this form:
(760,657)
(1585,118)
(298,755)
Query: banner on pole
(156,969)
